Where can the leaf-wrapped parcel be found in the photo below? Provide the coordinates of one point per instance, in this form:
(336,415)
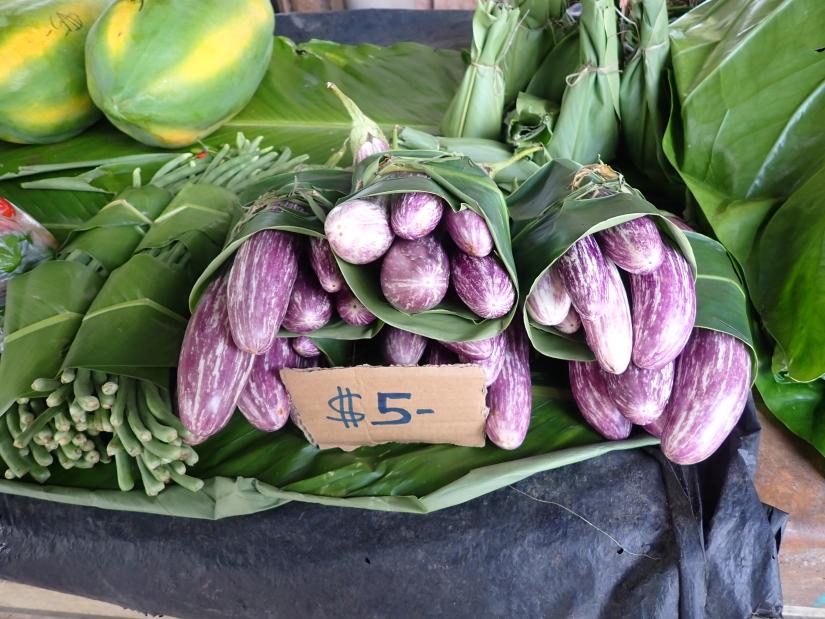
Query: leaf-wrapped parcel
(463,186)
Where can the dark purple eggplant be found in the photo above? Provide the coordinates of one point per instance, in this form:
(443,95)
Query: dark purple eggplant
(664,309)
(415,275)
(589,386)
(641,395)
(310,308)
(401,347)
(483,284)
(510,397)
(212,371)
(258,288)
(469,232)
(585,274)
(416,214)
(710,389)
(635,246)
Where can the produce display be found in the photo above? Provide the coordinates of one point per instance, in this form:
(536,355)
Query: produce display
(143,350)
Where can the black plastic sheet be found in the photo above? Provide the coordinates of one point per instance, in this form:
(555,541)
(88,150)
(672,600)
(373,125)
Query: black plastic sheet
(662,541)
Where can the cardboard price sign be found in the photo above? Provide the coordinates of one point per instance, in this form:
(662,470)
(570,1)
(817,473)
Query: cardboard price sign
(367,405)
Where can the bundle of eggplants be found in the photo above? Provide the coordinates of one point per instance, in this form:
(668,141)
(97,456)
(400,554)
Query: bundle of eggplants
(272,298)
(505,359)
(672,354)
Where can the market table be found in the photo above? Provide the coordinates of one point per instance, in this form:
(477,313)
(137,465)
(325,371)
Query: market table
(625,533)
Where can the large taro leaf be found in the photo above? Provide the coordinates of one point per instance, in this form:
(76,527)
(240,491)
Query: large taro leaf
(405,84)
(249,471)
(746,136)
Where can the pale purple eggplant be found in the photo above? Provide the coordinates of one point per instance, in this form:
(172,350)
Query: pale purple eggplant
(571,322)
(305,347)
(679,223)
(416,214)
(469,231)
(635,246)
(358,231)
(589,386)
(325,266)
(493,363)
(474,349)
(610,335)
(438,355)
(585,274)
(483,284)
(265,401)
(310,308)
(510,397)
(664,309)
(212,371)
(372,145)
(657,426)
(366,137)
(258,288)
(351,310)
(710,389)
(415,275)
(401,347)
(641,395)
(549,303)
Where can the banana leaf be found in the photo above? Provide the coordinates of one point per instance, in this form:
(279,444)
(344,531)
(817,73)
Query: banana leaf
(531,123)
(462,184)
(549,80)
(477,109)
(644,103)
(497,158)
(143,306)
(249,471)
(45,307)
(535,36)
(749,146)
(587,129)
(563,215)
(311,189)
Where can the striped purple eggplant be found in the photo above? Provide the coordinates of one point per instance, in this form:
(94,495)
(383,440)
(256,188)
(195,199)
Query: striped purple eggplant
(483,284)
(325,266)
(510,397)
(415,275)
(401,347)
(474,349)
(358,231)
(493,363)
(372,144)
(469,231)
(571,322)
(641,395)
(548,303)
(416,214)
(258,288)
(351,310)
(635,246)
(212,371)
(664,309)
(657,426)
(265,402)
(711,386)
(310,308)
(305,347)
(679,223)
(610,336)
(589,386)
(438,355)
(584,272)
